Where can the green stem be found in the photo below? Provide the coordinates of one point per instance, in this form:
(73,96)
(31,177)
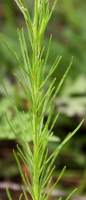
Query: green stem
(36,124)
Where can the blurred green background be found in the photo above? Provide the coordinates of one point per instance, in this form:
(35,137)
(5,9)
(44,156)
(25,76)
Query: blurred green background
(68,29)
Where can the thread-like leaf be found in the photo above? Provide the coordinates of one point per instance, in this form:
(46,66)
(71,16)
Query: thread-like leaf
(8,194)
(71,194)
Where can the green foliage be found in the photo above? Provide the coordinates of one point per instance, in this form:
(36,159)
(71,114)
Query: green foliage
(20,126)
(33,69)
(68,39)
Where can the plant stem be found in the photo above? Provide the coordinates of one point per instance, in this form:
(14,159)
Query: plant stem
(36,92)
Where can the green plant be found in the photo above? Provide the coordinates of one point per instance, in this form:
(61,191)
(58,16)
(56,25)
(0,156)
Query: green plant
(36,157)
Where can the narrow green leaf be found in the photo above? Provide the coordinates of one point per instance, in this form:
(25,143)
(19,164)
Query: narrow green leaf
(52,69)
(63,79)
(8,194)
(59,178)
(71,194)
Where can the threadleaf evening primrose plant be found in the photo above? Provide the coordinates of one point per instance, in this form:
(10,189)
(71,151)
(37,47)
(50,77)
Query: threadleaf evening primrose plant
(39,162)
